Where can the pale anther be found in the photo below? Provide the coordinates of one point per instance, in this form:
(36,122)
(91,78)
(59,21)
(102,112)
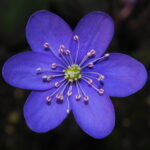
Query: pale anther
(101,77)
(46,45)
(48,98)
(61,51)
(38,69)
(59,96)
(69,93)
(54,65)
(107,54)
(90,81)
(91,53)
(78,96)
(75,37)
(67,52)
(68,111)
(100,91)
(57,84)
(91,65)
(47,78)
(62,47)
(86,98)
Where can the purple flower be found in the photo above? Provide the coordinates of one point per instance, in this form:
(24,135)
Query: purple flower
(71,71)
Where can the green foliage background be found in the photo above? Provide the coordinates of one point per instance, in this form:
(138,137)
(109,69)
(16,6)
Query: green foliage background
(132,37)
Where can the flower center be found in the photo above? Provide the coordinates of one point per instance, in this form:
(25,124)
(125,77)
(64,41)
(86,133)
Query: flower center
(72,73)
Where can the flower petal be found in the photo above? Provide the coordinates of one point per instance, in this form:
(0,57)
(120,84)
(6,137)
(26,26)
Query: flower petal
(20,70)
(44,26)
(41,116)
(95,31)
(96,118)
(123,74)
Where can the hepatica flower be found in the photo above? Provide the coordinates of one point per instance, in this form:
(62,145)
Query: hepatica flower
(70,71)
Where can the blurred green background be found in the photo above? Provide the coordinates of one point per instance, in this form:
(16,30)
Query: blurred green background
(132,37)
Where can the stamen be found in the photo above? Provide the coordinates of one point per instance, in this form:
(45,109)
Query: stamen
(69,93)
(62,52)
(89,54)
(50,96)
(85,97)
(46,45)
(90,65)
(89,81)
(78,96)
(57,84)
(47,78)
(62,46)
(68,105)
(61,66)
(59,96)
(58,75)
(107,55)
(54,65)
(49,70)
(97,60)
(68,53)
(65,86)
(100,91)
(38,70)
(100,76)
(68,111)
(87,75)
(83,60)
(76,38)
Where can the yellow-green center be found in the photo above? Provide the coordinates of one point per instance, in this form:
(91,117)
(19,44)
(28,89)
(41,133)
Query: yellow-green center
(73,73)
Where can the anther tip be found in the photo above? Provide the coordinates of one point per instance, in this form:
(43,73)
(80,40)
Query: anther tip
(68,111)
(48,98)
(76,37)
(107,54)
(78,96)
(62,47)
(101,91)
(54,65)
(86,98)
(46,45)
(101,77)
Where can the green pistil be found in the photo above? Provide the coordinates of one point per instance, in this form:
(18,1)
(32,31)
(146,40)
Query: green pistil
(73,73)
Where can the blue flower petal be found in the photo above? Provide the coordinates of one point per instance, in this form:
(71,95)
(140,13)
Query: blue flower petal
(95,31)
(46,27)
(123,74)
(97,118)
(20,70)
(41,116)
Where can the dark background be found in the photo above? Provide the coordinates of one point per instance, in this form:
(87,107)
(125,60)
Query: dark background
(132,37)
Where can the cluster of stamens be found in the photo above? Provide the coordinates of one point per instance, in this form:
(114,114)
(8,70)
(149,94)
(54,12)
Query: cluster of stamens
(72,73)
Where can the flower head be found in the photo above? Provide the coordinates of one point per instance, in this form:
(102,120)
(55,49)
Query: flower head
(70,71)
